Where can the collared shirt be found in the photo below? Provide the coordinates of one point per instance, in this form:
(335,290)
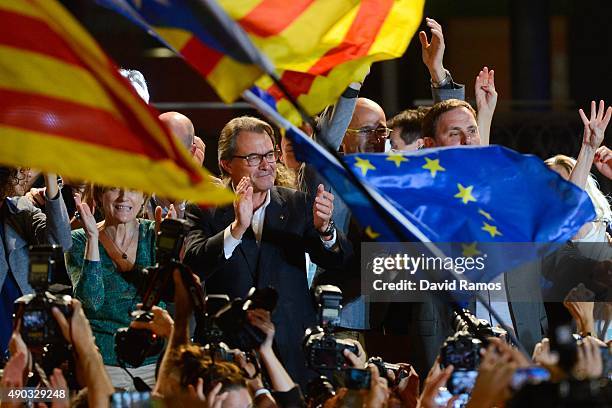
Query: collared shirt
(257,223)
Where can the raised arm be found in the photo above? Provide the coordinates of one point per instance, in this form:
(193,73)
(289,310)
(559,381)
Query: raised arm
(592,137)
(486,100)
(442,85)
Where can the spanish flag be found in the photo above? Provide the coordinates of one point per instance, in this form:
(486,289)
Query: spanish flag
(65,108)
(318,46)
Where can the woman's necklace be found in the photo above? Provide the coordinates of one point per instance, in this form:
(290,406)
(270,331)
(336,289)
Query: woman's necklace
(123,253)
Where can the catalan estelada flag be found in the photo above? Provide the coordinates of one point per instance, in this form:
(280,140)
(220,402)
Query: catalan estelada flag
(65,108)
(317,46)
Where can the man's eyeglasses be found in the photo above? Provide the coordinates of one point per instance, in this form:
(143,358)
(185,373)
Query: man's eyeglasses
(254,159)
(379,132)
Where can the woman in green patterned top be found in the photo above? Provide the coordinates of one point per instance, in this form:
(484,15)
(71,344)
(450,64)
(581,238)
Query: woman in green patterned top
(104,264)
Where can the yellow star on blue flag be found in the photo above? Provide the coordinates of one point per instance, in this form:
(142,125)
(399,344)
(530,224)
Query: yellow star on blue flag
(470,250)
(397,158)
(491,229)
(465,193)
(433,165)
(364,165)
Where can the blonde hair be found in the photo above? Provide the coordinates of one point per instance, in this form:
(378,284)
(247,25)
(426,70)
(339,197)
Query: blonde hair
(600,202)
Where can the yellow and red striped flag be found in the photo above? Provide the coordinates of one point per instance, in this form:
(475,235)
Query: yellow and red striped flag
(65,108)
(318,46)
(372,30)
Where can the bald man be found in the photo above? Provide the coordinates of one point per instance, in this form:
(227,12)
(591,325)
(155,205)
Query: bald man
(367,130)
(182,128)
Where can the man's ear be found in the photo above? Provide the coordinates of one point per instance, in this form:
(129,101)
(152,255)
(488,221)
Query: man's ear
(226,165)
(429,142)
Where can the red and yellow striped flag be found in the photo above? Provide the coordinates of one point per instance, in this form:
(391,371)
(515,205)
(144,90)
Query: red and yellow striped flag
(65,108)
(373,30)
(318,46)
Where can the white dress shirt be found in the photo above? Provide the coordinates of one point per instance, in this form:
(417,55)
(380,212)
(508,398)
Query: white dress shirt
(257,223)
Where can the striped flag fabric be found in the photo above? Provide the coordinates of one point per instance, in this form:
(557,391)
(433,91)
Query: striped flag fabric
(317,46)
(65,108)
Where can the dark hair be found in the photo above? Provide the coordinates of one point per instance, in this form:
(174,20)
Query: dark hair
(409,123)
(194,363)
(430,121)
(229,133)
(9,178)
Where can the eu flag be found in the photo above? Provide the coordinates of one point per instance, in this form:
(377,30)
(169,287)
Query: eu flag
(474,198)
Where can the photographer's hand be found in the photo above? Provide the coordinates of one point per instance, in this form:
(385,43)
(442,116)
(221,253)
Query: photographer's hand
(161,324)
(280,379)
(436,378)
(494,375)
(166,383)
(88,359)
(589,364)
(356,360)
(378,394)
(408,387)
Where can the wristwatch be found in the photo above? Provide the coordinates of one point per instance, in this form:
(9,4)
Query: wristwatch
(329,231)
(445,81)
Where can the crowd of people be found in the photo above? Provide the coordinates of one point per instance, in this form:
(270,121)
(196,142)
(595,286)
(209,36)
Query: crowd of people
(289,230)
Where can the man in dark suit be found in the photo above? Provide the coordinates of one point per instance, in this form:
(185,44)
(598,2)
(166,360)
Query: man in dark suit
(261,240)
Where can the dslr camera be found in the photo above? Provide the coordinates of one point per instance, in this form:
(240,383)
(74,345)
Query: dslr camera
(38,326)
(133,346)
(232,320)
(323,350)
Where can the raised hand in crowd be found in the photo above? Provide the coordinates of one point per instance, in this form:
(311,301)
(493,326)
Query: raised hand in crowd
(172,214)
(603,161)
(322,210)
(592,137)
(199,150)
(579,302)
(92,250)
(90,367)
(243,208)
(486,101)
(433,52)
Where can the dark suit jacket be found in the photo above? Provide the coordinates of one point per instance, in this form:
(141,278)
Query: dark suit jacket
(279,262)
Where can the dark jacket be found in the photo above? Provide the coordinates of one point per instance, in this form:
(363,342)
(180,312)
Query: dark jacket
(278,261)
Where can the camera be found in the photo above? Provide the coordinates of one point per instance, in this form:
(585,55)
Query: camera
(323,350)
(461,350)
(383,368)
(462,381)
(479,328)
(159,284)
(133,346)
(232,320)
(38,326)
